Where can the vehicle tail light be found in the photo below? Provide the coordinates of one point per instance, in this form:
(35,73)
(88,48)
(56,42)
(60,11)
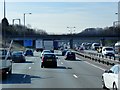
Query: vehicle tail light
(42,58)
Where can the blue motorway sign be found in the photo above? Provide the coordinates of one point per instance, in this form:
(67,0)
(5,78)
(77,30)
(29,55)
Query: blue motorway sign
(28,43)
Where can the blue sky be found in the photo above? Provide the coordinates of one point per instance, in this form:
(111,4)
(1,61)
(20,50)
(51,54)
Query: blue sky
(55,17)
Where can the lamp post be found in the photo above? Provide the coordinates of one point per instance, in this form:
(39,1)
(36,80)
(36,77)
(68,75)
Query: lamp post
(116,23)
(24,26)
(71,29)
(24,17)
(24,22)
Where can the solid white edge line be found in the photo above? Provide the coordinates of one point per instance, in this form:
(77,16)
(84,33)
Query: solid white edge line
(61,63)
(29,67)
(95,66)
(75,76)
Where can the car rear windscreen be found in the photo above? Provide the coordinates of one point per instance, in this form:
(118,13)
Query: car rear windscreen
(49,56)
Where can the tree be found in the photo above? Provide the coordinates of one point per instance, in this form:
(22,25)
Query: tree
(5,26)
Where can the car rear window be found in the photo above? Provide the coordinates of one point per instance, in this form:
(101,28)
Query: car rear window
(109,49)
(50,56)
(47,51)
(17,53)
(96,44)
(29,51)
(71,53)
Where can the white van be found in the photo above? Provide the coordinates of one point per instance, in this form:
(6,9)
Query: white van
(108,51)
(117,48)
(95,46)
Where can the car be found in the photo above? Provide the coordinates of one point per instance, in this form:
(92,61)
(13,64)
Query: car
(49,60)
(108,51)
(4,53)
(5,64)
(5,68)
(117,47)
(18,56)
(95,46)
(28,52)
(64,52)
(110,77)
(70,55)
(45,51)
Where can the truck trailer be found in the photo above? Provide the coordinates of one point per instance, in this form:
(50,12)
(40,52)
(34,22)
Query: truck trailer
(39,45)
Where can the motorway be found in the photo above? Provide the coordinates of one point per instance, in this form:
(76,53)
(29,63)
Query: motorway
(69,74)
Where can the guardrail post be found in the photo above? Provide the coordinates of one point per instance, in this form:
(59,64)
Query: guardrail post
(114,58)
(110,57)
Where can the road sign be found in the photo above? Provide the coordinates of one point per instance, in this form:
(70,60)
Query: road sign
(28,43)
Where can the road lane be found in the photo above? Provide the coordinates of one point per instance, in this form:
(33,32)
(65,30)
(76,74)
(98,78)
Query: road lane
(87,75)
(68,74)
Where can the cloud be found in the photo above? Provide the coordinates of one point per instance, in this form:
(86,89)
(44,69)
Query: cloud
(56,17)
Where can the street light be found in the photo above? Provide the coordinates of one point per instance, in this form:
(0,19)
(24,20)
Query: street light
(24,22)
(24,18)
(71,39)
(116,23)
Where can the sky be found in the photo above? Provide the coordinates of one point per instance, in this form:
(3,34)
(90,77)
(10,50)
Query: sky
(55,17)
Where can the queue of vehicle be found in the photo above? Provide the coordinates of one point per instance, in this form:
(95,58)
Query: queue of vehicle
(49,59)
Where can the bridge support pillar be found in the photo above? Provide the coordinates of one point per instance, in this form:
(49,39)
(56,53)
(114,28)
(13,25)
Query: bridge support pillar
(71,43)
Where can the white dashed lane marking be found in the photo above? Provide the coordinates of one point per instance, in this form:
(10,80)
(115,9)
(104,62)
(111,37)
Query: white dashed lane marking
(75,76)
(61,62)
(29,67)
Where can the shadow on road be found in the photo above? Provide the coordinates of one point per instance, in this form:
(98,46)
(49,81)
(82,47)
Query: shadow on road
(18,79)
(28,62)
(60,67)
(74,60)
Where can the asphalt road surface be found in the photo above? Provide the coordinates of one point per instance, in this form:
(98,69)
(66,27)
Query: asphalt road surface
(68,74)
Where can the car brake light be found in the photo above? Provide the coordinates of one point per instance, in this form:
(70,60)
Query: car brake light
(42,58)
